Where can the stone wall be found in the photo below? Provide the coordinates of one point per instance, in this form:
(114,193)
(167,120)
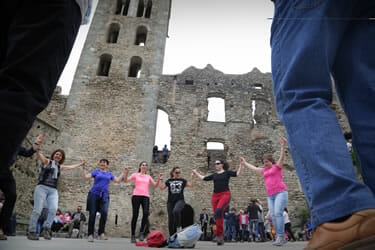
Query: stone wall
(114,117)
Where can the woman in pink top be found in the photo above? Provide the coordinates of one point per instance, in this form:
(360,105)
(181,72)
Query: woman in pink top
(141,196)
(275,187)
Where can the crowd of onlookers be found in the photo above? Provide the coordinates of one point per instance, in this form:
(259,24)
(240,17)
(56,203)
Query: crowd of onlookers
(252,225)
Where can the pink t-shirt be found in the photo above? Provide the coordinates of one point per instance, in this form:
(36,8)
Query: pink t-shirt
(141,184)
(273,178)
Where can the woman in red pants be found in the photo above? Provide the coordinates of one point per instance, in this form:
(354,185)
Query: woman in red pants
(221,196)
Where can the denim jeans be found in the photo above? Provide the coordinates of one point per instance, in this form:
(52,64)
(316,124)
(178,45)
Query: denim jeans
(231,232)
(255,223)
(41,194)
(243,229)
(276,205)
(312,41)
(96,204)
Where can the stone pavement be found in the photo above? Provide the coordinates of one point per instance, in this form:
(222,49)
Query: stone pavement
(21,243)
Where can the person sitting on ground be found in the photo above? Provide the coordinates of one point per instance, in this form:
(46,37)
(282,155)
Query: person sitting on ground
(58,221)
(67,220)
(77,221)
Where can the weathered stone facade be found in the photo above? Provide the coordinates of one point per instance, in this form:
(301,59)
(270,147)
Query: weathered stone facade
(114,117)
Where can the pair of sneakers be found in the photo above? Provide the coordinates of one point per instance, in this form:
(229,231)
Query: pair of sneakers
(280,241)
(90,238)
(141,238)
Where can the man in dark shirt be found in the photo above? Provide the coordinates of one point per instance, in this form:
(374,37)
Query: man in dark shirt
(8,186)
(78,219)
(252,211)
(203,218)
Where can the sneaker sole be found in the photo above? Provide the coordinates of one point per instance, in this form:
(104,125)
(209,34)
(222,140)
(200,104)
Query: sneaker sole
(364,244)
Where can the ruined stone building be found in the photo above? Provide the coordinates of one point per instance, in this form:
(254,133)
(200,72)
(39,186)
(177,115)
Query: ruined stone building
(111,112)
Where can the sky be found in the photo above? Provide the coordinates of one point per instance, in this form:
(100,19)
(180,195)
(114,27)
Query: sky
(232,36)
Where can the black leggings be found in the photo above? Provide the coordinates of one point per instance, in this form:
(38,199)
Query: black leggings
(288,229)
(174,215)
(137,201)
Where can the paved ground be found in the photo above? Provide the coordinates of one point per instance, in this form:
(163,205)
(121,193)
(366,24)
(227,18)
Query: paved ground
(21,243)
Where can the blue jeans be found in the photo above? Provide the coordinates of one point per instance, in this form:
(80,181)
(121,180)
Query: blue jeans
(96,204)
(311,41)
(231,231)
(255,223)
(41,194)
(276,204)
(243,229)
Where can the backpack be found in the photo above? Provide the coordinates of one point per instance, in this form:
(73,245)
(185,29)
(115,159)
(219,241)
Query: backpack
(156,239)
(186,238)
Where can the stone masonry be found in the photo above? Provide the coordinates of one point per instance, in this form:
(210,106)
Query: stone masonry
(115,116)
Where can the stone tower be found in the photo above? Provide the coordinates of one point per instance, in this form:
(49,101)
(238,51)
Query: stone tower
(111,110)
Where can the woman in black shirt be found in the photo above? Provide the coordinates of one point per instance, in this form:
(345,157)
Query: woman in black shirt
(176,201)
(221,196)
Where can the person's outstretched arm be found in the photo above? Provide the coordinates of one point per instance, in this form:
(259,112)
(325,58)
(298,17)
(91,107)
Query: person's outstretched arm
(239,170)
(70,167)
(191,182)
(86,175)
(250,166)
(120,177)
(155,184)
(126,174)
(283,143)
(198,174)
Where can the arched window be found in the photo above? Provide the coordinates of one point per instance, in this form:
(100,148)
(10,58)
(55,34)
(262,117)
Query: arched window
(141,8)
(216,109)
(141,36)
(104,65)
(135,67)
(215,151)
(163,133)
(113,33)
(148,9)
(122,7)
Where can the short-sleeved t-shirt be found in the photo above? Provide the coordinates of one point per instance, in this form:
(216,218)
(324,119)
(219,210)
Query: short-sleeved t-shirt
(175,189)
(221,181)
(101,182)
(273,179)
(141,184)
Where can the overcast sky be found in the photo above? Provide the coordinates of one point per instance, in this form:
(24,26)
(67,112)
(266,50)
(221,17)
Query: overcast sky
(232,36)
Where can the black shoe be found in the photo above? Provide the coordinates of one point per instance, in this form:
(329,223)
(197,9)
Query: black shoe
(32,236)
(132,239)
(47,234)
(141,237)
(220,240)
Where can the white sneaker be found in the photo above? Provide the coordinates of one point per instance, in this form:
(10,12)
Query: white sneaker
(102,237)
(280,241)
(90,238)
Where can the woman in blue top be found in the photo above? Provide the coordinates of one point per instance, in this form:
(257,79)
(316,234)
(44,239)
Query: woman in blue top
(98,197)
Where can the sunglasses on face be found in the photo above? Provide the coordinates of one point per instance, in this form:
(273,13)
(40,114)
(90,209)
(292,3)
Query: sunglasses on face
(217,163)
(177,172)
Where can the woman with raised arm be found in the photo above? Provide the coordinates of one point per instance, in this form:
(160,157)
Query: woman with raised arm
(49,173)
(221,196)
(176,201)
(98,197)
(141,196)
(275,187)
